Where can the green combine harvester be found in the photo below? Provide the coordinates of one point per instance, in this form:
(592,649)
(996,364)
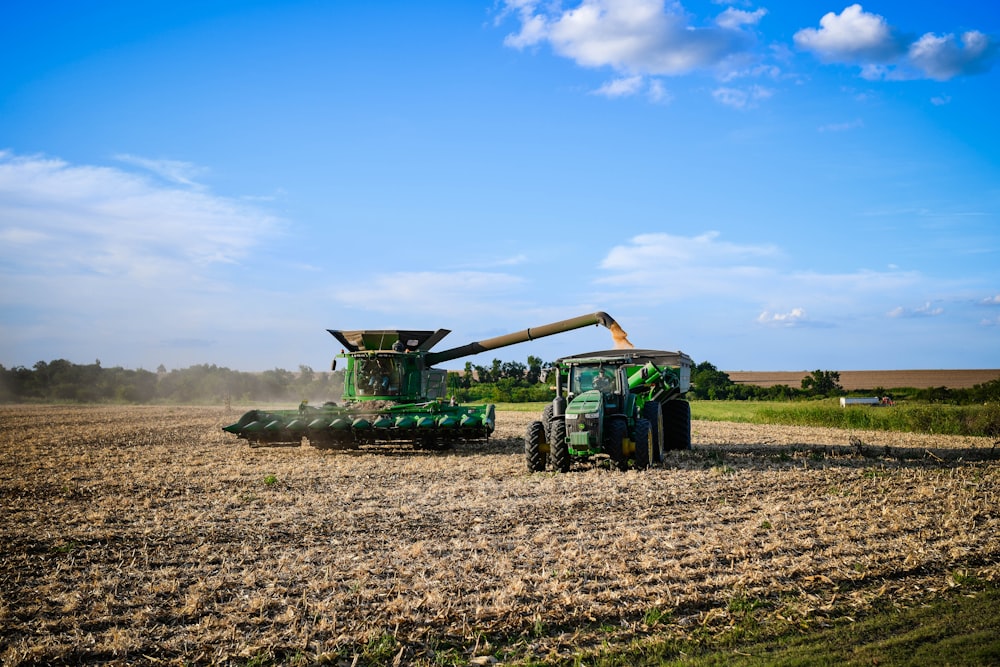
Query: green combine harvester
(392,394)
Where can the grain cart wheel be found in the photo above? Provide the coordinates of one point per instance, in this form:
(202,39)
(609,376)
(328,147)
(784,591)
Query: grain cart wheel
(614,440)
(558,449)
(533,440)
(643,436)
(653,412)
(677,424)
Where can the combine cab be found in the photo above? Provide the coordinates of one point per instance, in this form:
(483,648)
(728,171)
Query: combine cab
(393,395)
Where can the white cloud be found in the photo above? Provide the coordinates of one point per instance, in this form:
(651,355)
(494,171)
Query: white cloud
(992,301)
(622,87)
(634,85)
(737,18)
(858,37)
(851,35)
(940,100)
(942,58)
(795,317)
(633,37)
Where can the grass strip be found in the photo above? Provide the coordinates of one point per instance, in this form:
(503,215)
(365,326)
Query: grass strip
(956,628)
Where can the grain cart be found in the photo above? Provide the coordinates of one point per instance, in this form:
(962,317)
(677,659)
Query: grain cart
(626,405)
(392,394)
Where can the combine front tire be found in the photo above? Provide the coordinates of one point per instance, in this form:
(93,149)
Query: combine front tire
(558,449)
(533,440)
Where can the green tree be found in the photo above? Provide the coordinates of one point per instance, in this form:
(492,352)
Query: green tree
(822,383)
(535,365)
(708,382)
(513,370)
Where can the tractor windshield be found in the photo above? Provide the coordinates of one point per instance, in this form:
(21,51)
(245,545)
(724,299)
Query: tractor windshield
(378,376)
(586,378)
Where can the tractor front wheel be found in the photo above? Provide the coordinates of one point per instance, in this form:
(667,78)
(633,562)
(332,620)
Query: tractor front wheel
(533,440)
(558,449)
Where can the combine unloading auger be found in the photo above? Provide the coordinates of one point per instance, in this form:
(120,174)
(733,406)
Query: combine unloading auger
(393,395)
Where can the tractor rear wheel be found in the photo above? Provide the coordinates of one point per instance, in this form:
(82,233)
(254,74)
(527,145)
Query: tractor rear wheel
(614,442)
(643,437)
(533,454)
(558,449)
(677,423)
(653,412)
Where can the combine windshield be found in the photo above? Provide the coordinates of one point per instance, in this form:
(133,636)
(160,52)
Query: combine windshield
(378,376)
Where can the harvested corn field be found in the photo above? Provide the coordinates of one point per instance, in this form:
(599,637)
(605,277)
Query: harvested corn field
(149,535)
(868,380)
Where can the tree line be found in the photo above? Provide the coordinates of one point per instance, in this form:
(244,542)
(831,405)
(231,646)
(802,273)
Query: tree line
(497,382)
(709,383)
(64,381)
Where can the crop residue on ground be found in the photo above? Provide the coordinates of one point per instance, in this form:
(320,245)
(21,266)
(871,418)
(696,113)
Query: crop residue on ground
(131,532)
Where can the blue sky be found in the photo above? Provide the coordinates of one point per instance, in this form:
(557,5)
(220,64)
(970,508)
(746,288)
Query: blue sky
(765,186)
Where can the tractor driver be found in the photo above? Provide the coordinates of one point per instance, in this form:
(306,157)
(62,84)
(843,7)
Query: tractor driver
(587,380)
(602,382)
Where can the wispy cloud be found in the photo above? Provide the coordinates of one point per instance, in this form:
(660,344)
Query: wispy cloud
(796,317)
(90,252)
(407,293)
(622,87)
(926,310)
(62,218)
(734,19)
(666,268)
(174,171)
(861,38)
(741,98)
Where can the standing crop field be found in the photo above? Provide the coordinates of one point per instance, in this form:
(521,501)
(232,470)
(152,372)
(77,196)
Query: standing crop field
(148,535)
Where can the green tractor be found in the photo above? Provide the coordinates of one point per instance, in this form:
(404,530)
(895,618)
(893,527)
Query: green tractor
(392,394)
(624,405)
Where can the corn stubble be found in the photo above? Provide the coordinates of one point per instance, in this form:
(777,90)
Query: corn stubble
(138,534)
